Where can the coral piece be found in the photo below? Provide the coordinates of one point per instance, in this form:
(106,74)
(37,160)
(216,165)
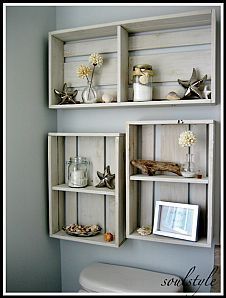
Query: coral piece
(144,231)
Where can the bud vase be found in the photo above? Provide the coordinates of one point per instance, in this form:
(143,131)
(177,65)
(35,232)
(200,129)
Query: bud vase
(89,94)
(188,167)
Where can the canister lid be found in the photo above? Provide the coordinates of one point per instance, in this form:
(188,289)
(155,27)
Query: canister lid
(142,69)
(78,159)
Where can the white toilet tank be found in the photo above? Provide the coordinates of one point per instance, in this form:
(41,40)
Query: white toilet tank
(108,278)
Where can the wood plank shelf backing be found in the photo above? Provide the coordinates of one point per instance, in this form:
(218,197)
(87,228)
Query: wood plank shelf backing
(88,205)
(172,44)
(158,140)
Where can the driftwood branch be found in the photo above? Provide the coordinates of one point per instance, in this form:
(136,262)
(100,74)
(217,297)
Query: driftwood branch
(149,167)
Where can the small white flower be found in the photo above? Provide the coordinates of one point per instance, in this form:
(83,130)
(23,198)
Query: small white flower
(96,59)
(83,71)
(187,138)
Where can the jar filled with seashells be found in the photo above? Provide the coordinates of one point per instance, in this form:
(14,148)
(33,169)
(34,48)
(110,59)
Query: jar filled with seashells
(142,82)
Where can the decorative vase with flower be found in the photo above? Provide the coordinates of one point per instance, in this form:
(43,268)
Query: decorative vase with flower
(187,139)
(89,94)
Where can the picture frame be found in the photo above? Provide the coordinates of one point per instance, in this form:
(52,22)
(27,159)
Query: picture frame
(176,220)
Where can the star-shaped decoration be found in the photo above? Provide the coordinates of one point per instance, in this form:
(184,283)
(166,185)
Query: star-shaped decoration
(194,86)
(206,93)
(66,97)
(106,178)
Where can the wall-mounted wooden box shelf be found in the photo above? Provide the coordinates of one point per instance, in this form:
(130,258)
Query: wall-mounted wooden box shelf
(172,44)
(88,205)
(158,140)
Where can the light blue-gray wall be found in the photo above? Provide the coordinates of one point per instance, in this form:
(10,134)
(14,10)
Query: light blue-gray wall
(32,258)
(153,256)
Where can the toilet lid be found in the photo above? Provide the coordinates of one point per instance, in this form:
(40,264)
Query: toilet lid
(108,278)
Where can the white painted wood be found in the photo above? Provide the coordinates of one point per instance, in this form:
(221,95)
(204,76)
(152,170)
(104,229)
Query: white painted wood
(168,149)
(197,192)
(169,67)
(170,187)
(104,75)
(134,104)
(154,40)
(53,180)
(89,189)
(89,46)
(110,212)
(70,198)
(179,121)
(61,177)
(213,57)
(79,134)
(131,187)
(193,18)
(120,187)
(122,71)
(162,239)
(98,239)
(56,68)
(211,160)
(168,178)
(91,209)
(146,195)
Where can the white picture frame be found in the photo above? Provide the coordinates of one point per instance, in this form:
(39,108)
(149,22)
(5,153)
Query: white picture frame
(176,220)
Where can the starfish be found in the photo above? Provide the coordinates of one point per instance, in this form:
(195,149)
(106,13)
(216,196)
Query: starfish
(206,92)
(105,178)
(66,96)
(194,86)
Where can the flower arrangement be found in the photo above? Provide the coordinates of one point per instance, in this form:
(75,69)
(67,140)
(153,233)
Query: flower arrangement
(187,138)
(87,72)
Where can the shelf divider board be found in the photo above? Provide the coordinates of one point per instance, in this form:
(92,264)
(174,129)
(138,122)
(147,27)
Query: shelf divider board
(70,197)
(198,194)
(56,67)
(132,190)
(122,64)
(120,189)
(110,212)
(61,177)
(211,159)
(53,179)
(213,56)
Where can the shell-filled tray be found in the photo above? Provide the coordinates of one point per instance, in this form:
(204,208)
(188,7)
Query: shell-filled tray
(82,230)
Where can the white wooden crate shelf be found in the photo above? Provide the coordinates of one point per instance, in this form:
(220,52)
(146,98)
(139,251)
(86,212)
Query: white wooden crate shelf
(172,44)
(97,240)
(89,189)
(88,205)
(168,178)
(158,140)
(202,242)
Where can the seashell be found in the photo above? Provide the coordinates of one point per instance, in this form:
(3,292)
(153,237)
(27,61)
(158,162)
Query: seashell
(144,231)
(172,96)
(108,237)
(107,98)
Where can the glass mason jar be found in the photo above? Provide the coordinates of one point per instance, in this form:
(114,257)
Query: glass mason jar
(89,94)
(188,167)
(142,82)
(78,172)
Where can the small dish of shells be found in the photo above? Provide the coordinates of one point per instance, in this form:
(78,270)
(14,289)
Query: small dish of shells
(144,231)
(82,230)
